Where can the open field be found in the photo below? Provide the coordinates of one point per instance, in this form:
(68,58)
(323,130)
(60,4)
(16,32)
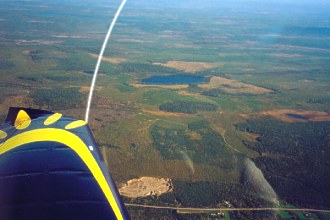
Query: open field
(163,113)
(139,85)
(292,115)
(268,67)
(189,66)
(114,60)
(234,87)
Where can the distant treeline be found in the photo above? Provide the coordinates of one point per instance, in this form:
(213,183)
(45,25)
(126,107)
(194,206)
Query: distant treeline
(83,62)
(189,107)
(51,76)
(29,78)
(6,64)
(59,98)
(219,92)
(36,55)
(294,158)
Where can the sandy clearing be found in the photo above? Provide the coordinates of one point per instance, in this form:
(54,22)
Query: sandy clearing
(67,36)
(177,45)
(87,88)
(286,55)
(233,86)
(229,54)
(114,60)
(296,115)
(189,66)
(187,93)
(37,42)
(146,186)
(248,69)
(40,21)
(140,85)
(132,41)
(162,113)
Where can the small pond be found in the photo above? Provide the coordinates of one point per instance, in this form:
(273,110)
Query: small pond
(297,116)
(175,80)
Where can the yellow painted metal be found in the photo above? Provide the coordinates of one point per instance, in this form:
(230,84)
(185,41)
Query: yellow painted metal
(22,121)
(72,141)
(52,119)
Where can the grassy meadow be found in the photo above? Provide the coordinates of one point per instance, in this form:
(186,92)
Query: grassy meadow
(47,61)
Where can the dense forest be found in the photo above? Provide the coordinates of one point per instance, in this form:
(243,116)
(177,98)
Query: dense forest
(188,107)
(83,62)
(294,158)
(219,92)
(6,64)
(211,194)
(199,143)
(36,55)
(59,98)
(212,92)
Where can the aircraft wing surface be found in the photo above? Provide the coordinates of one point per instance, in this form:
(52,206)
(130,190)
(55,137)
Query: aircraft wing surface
(51,168)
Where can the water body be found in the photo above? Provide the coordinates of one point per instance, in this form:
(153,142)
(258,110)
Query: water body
(175,80)
(297,116)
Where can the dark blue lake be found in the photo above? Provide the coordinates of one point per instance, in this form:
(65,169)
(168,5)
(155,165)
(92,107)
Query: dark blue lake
(297,116)
(175,79)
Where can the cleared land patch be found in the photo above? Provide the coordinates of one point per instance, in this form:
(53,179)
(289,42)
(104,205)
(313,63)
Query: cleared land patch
(189,66)
(162,113)
(140,85)
(233,86)
(292,115)
(37,42)
(286,55)
(87,88)
(178,45)
(146,186)
(114,60)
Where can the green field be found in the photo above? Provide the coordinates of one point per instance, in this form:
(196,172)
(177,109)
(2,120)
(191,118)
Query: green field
(199,136)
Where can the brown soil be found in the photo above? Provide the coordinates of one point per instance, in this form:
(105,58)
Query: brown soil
(286,55)
(146,186)
(162,113)
(16,101)
(194,135)
(248,69)
(307,116)
(37,42)
(233,86)
(187,93)
(114,60)
(189,66)
(67,36)
(177,45)
(250,136)
(139,85)
(87,88)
